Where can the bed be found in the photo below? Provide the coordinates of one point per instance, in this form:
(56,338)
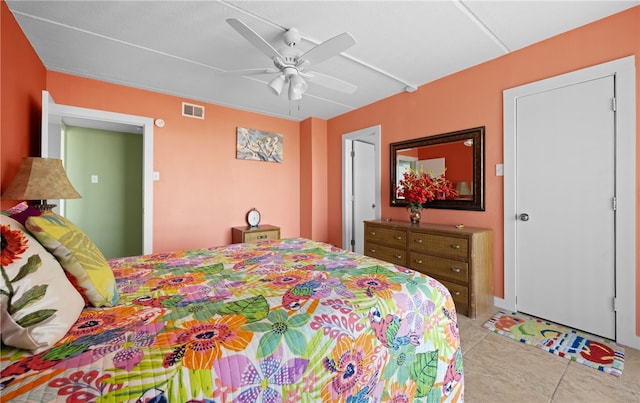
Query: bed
(289,320)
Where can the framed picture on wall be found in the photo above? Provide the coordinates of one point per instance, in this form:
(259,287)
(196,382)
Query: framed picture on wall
(258,145)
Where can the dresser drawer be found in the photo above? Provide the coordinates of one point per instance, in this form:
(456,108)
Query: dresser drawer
(261,235)
(439,244)
(254,234)
(460,296)
(388,236)
(392,255)
(439,267)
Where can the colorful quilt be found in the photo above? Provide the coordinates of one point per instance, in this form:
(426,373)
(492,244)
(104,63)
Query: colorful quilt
(290,320)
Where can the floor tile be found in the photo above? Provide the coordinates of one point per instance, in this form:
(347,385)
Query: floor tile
(509,363)
(499,369)
(583,384)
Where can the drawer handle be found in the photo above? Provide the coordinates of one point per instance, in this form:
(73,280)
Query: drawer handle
(455,246)
(456,293)
(419,240)
(262,236)
(372,250)
(419,261)
(398,236)
(398,256)
(455,269)
(372,233)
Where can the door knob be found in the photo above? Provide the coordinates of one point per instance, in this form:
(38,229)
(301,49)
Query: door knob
(524,217)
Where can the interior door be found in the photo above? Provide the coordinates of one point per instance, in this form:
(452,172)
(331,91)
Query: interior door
(565,243)
(364,186)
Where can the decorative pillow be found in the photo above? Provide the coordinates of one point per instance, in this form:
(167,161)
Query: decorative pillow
(15,209)
(78,255)
(38,305)
(22,216)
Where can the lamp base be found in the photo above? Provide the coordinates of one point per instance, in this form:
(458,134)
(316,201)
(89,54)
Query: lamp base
(42,205)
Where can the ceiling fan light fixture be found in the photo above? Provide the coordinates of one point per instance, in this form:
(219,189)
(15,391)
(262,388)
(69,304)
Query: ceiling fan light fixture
(277,84)
(297,87)
(291,61)
(294,93)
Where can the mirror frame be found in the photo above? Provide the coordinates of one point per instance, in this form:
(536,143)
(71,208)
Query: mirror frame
(477,134)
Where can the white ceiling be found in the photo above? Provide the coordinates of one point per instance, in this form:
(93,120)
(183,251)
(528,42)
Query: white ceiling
(183,48)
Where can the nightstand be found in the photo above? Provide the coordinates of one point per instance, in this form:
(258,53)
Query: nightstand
(254,234)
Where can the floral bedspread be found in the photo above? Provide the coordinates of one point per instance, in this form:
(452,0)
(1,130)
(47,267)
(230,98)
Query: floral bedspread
(291,320)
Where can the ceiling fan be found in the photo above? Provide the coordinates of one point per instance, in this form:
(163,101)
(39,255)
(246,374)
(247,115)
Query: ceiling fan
(290,62)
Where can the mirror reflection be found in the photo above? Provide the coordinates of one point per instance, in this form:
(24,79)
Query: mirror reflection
(459,154)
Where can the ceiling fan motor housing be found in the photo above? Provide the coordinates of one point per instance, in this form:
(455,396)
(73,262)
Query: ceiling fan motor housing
(289,71)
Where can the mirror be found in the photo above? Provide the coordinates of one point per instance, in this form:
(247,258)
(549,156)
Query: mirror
(461,153)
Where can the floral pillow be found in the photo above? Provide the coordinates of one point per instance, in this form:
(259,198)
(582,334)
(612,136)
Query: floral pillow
(18,208)
(21,211)
(38,305)
(78,255)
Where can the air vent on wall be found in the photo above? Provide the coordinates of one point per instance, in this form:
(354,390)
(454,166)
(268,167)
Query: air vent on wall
(192,111)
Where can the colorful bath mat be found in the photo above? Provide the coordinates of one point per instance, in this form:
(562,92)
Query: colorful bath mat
(592,351)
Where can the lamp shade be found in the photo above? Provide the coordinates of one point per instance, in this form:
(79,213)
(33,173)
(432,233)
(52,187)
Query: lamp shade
(463,189)
(277,84)
(297,87)
(40,179)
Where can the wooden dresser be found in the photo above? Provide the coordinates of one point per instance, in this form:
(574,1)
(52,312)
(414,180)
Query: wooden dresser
(461,259)
(254,234)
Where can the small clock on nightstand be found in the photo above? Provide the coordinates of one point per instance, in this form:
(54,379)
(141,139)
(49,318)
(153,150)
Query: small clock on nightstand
(253,218)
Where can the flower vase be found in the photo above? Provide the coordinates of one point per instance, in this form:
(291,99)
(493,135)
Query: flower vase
(415,216)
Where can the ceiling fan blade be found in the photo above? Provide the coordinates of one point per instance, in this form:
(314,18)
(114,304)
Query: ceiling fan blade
(329,48)
(251,72)
(330,82)
(253,37)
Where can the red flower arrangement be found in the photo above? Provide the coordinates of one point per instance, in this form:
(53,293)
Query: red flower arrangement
(418,188)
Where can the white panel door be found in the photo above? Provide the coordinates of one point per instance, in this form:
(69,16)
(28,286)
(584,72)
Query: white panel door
(565,244)
(364,190)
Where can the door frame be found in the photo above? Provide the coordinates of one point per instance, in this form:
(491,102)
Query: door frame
(55,115)
(625,232)
(371,135)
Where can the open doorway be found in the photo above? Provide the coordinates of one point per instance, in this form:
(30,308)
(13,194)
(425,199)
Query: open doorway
(360,184)
(55,116)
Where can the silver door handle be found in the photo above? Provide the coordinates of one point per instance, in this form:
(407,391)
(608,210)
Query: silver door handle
(524,217)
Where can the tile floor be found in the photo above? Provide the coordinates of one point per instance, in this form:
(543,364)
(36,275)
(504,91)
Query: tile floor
(498,369)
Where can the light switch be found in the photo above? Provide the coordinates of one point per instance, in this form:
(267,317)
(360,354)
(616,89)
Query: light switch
(499,170)
(156,176)
(94,178)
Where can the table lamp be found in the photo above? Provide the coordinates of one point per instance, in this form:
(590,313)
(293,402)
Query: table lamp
(39,179)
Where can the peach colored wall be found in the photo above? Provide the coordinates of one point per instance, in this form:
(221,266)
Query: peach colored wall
(19,98)
(473,98)
(203,189)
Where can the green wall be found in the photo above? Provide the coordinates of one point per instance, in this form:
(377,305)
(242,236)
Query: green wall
(110,211)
